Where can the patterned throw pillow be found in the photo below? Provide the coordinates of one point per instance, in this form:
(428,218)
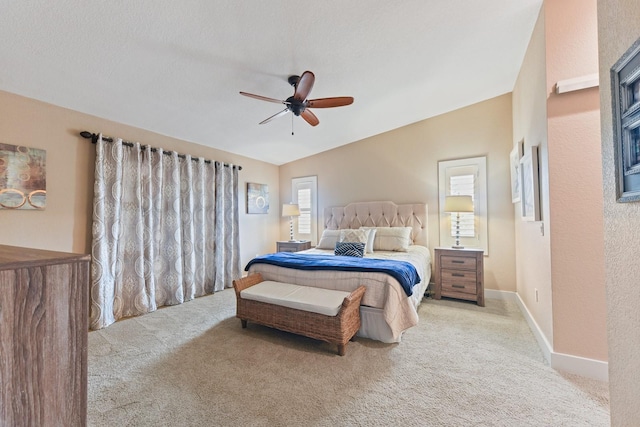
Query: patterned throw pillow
(350,249)
(354,235)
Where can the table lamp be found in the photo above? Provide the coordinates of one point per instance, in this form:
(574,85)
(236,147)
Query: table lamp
(290,210)
(458,204)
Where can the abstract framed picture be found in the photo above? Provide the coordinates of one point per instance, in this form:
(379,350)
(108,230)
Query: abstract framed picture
(257,198)
(23,183)
(530,196)
(625,101)
(514,166)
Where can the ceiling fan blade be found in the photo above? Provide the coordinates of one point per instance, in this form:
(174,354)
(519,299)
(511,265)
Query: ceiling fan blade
(337,101)
(276,115)
(310,117)
(263,98)
(304,86)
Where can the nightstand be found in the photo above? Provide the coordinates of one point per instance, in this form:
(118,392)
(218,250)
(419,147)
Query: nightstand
(294,246)
(459,273)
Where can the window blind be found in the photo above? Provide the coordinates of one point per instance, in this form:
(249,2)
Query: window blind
(304,204)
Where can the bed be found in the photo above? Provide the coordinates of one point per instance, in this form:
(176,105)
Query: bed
(386,310)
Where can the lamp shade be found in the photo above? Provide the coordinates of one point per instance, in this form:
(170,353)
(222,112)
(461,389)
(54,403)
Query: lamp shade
(290,210)
(458,204)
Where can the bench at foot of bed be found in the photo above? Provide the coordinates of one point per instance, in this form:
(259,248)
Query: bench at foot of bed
(322,314)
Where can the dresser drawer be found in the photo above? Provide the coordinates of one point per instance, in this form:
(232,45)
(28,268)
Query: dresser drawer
(465,263)
(462,276)
(293,246)
(287,247)
(454,287)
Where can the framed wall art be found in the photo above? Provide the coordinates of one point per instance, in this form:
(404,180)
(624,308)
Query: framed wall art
(257,198)
(625,100)
(514,165)
(529,185)
(23,179)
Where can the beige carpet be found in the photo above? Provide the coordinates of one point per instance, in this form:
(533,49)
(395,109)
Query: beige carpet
(463,365)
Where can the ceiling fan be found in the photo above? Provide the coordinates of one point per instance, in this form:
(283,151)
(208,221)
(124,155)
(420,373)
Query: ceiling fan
(298,104)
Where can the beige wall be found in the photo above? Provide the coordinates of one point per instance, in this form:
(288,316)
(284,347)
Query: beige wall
(402,166)
(618,29)
(533,253)
(65,224)
(565,265)
(575,183)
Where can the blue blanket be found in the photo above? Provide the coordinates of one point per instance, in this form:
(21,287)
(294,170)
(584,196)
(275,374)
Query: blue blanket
(404,272)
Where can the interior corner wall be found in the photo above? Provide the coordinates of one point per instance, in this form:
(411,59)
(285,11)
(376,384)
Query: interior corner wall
(65,223)
(618,29)
(402,166)
(533,247)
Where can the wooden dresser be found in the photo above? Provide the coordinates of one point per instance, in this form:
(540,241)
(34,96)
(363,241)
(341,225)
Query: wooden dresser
(459,273)
(44,324)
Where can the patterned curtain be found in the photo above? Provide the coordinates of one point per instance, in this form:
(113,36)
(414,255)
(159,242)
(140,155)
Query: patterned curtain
(165,230)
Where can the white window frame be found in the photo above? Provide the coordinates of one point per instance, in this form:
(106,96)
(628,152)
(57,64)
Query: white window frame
(306,182)
(448,168)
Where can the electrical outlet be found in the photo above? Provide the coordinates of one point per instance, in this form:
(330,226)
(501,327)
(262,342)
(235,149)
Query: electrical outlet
(536,295)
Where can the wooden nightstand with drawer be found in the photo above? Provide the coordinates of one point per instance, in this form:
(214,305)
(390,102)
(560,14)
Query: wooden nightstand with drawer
(459,273)
(293,246)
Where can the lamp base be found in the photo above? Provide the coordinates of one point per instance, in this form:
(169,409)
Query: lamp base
(457,246)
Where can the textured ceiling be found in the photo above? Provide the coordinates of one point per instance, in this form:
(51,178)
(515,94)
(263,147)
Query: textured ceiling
(176,67)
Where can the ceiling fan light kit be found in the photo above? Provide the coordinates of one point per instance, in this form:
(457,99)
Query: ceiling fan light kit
(298,103)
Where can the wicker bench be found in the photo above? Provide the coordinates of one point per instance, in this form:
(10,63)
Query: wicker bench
(279,312)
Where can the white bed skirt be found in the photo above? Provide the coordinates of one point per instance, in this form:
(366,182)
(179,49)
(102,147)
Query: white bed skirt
(373,325)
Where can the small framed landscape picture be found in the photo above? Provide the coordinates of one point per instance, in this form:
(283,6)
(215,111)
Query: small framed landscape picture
(257,198)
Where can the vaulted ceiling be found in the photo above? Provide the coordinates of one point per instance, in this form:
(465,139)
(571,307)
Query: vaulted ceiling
(177,67)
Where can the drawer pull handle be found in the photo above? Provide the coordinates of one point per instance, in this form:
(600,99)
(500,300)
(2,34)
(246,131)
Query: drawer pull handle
(457,261)
(457,274)
(458,286)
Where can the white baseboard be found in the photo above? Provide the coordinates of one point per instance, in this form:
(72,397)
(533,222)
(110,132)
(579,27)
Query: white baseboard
(588,368)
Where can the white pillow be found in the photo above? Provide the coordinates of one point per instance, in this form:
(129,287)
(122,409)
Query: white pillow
(328,239)
(392,239)
(354,236)
(372,234)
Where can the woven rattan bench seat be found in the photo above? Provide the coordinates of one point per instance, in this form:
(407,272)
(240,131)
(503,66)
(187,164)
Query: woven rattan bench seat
(307,298)
(298,309)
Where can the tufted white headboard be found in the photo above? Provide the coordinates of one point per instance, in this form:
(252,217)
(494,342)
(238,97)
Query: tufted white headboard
(380,214)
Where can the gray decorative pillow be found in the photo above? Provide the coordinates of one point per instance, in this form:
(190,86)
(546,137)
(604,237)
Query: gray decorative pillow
(350,249)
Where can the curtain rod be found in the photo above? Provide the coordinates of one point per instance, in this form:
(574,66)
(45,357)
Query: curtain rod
(94,138)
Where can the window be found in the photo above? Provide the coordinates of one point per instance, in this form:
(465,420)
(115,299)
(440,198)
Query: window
(464,177)
(304,192)
(304,204)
